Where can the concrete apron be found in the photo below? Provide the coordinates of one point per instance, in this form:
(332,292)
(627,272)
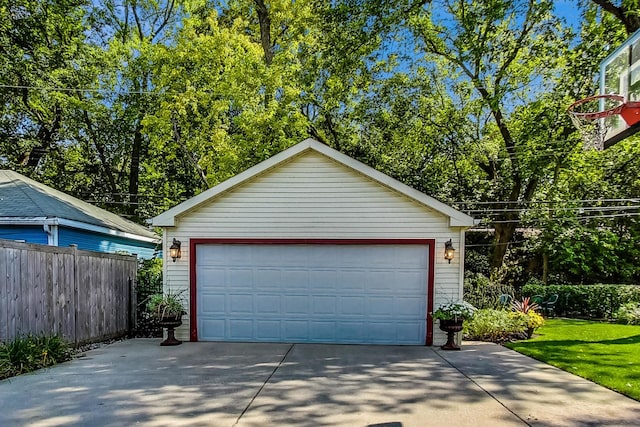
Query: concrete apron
(227,384)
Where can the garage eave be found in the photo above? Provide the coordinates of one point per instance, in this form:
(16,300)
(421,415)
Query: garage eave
(461,222)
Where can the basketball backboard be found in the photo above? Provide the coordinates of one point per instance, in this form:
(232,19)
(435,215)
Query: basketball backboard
(620,75)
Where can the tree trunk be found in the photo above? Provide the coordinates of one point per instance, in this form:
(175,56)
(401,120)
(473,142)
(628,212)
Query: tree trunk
(104,161)
(265,30)
(628,15)
(504,235)
(46,136)
(632,23)
(134,171)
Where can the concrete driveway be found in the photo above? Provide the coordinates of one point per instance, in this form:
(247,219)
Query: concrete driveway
(136,382)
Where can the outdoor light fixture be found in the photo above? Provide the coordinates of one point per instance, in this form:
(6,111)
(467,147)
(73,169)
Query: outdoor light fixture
(174,250)
(448,251)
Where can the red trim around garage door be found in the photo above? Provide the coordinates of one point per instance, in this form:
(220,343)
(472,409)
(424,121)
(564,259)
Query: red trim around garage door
(431,243)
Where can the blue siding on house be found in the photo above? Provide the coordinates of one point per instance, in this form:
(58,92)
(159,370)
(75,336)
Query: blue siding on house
(99,242)
(28,233)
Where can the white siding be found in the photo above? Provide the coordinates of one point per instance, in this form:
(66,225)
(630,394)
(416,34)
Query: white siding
(312,196)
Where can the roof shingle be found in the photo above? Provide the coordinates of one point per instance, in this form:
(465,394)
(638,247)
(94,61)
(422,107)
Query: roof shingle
(21,197)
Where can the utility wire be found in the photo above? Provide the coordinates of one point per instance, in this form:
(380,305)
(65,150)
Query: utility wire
(544,202)
(542,209)
(109,91)
(634,200)
(486,245)
(552,219)
(72,89)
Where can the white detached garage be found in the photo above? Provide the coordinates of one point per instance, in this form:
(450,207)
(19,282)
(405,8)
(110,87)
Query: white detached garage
(313,246)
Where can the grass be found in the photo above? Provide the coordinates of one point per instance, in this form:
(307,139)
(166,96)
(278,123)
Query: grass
(605,353)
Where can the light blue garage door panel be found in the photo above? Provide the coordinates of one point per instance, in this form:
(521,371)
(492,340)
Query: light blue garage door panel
(312,293)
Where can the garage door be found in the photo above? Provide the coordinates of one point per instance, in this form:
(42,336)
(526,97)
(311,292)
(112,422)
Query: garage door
(372,294)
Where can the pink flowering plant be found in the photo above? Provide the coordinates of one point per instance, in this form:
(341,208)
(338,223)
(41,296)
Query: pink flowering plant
(454,311)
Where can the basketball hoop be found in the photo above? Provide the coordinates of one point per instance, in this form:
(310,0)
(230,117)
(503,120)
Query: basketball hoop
(594,117)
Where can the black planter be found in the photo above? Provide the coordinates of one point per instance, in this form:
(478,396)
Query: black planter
(451,327)
(170,323)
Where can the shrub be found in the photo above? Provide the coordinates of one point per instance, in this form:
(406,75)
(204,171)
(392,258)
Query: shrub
(28,353)
(150,274)
(596,301)
(628,313)
(148,283)
(534,320)
(525,306)
(481,292)
(495,325)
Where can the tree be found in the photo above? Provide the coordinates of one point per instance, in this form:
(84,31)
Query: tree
(104,139)
(508,54)
(222,106)
(45,56)
(576,209)
(626,11)
(134,31)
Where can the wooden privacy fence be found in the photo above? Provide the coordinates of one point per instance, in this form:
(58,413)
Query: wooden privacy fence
(83,296)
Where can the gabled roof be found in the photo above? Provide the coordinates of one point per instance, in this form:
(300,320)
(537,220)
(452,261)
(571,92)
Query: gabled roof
(456,218)
(23,201)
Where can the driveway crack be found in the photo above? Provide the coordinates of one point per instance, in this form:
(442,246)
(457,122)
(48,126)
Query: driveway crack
(481,388)
(264,384)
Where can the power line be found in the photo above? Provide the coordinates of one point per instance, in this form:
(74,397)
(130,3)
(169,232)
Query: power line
(545,210)
(108,91)
(65,89)
(139,195)
(542,220)
(471,202)
(484,245)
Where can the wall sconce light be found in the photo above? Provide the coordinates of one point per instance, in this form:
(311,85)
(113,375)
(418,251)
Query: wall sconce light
(174,250)
(448,251)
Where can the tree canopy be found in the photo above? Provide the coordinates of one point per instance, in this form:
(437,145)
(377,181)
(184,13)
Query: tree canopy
(137,106)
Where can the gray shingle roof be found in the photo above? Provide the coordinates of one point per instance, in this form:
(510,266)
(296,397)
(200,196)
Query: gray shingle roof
(21,197)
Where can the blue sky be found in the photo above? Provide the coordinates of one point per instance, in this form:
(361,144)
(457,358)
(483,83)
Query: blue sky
(570,11)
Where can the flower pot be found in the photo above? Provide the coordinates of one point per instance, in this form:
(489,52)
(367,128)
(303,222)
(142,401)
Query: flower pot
(451,326)
(170,323)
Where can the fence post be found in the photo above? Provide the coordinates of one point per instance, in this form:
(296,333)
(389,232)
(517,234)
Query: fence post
(76,296)
(133,318)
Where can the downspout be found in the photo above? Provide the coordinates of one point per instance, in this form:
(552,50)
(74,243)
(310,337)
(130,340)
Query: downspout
(51,228)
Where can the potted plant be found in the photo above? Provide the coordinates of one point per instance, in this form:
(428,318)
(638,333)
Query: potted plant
(527,310)
(168,309)
(451,317)
(534,321)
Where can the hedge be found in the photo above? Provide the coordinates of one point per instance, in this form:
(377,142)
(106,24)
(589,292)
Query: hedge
(595,301)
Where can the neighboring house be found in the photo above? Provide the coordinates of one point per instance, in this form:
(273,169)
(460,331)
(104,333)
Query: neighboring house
(313,246)
(35,213)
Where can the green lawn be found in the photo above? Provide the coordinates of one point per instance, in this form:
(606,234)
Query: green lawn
(605,353)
